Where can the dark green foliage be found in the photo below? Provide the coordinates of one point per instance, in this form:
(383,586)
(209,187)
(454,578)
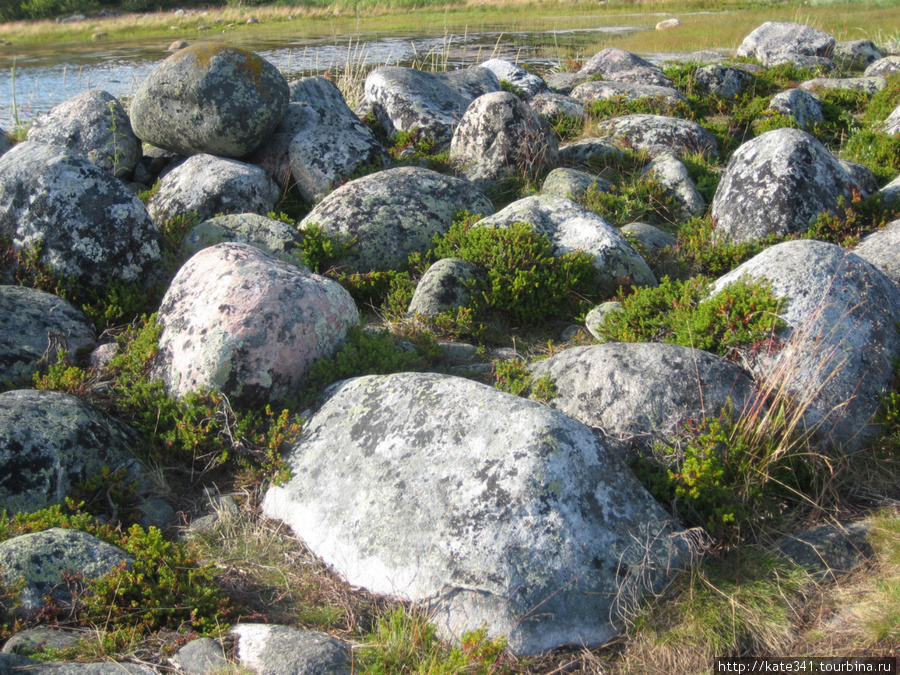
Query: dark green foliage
(852,220)
(884,102)
(515,378)
(321,251)
(706,176)
(679,312)
(617,106)
(566,128)
(640,198)
(877,150)
(506,85)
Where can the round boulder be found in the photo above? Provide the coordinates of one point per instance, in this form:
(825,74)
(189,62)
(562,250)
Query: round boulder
(248,325)
(274,237)
(480,505)
(889,65)
(664,98)
(882,249)
(93,124)
(50,441)
(35,325)
(527,84)
(572,183)
(553,106)
(669,172)
(210,98)
(806,108)
(278,650)
(724,81)
(783,39)
(85,222)
(658,134)
(443,287)
(856,54)
(778,183)
(621,66)
(393,213)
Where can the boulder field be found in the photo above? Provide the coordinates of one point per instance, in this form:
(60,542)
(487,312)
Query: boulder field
(479,506)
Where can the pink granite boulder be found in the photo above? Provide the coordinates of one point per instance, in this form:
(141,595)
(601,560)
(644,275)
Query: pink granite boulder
(246,324)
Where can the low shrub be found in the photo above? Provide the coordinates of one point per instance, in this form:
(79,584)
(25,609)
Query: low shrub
(854,219)
(514,378)
(876,150)
(639,198)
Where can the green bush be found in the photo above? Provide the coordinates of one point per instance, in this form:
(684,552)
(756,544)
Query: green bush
(515,378)
(701,251)
(616,106)
(639,198)
(883,102)
(876,150)
(854,219)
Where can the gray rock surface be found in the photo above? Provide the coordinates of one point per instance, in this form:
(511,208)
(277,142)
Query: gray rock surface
(571,227)
(41,559)
(281,650)
(501,136)
(443,287)
(785,39)
(598,314)
(404,99)
(882,249)
(641,393)
(589,152)
(210,186)
(650,237)
(50,441)
(862,176)
(93,124)
(855,54)
(201,656)
(321,92)
(13,664)
(621,66)
(829,551)
(891,192)
(664,97)
(778,183)
(239,321)
(892,123)
(480,505)
(210,98)
(804,107)
(867,85)
(802,61)
(528,84)
(572,183)
(35,325)
(889,65)
(87,223)
(724,81)
(393,213)
(563,83)
(658,134)
(38,639)
(553,106)
(4,142)
(274,237)
(841,337)
(667,170)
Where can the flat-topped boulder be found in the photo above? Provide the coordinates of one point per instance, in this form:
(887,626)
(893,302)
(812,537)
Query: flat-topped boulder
(599,90)
(785,39)
(527,85)
(621,66)
(658,134)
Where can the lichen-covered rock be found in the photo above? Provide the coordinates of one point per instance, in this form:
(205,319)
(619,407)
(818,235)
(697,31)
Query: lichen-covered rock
(404,99)
(658,134)
(598,315)
(563,83)
(93,124)
(862,176)
(200,657)
(890,193)
(248,325)
(282,650)
(778,183)
(274,237)
(650,237)
(641,393)
(319,91)
(209,186)
(785,39)
(50,441)
(803,61)
(841,337)
(889,65)
(589,151)
(87,224)
(40,560)
(882,249)
(528,84)
(855,54)
(621,66)
(393,213)
(41,639)
(443,287)
(867,85)
(673,176)
(481,505)
(664,98)
(892,123)
(724,81)
(571,227)
(210,98)
(4,142)
(500,136)
(35,325)
(553,106)
(13,664)
(572,183)
(831,550)
(804,107)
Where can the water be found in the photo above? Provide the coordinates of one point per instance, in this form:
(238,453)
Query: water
(47,76)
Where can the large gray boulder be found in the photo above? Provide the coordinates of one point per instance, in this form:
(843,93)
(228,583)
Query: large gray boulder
(841,337)
(527,84)
(274,237)
(210,98)
(658,134)
(867,85)
(667,170)
(882,249)
(724,81)
(282,650)
(572,183)
(664,97)
(890,193)
(855,54)
(571,227)
(443,287)
(482,506)
(393,213)
(51,441)
(589,153)
(501,136)
(773,40)
(93,124)
(87,224)
(14,664)
(638,394)
(250,326)
(621,66)
(806,108)
(321,92)
(778,183)
(553,106)
(38,325)
(404,99)
(889,65)
(40,561)
(209,186)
